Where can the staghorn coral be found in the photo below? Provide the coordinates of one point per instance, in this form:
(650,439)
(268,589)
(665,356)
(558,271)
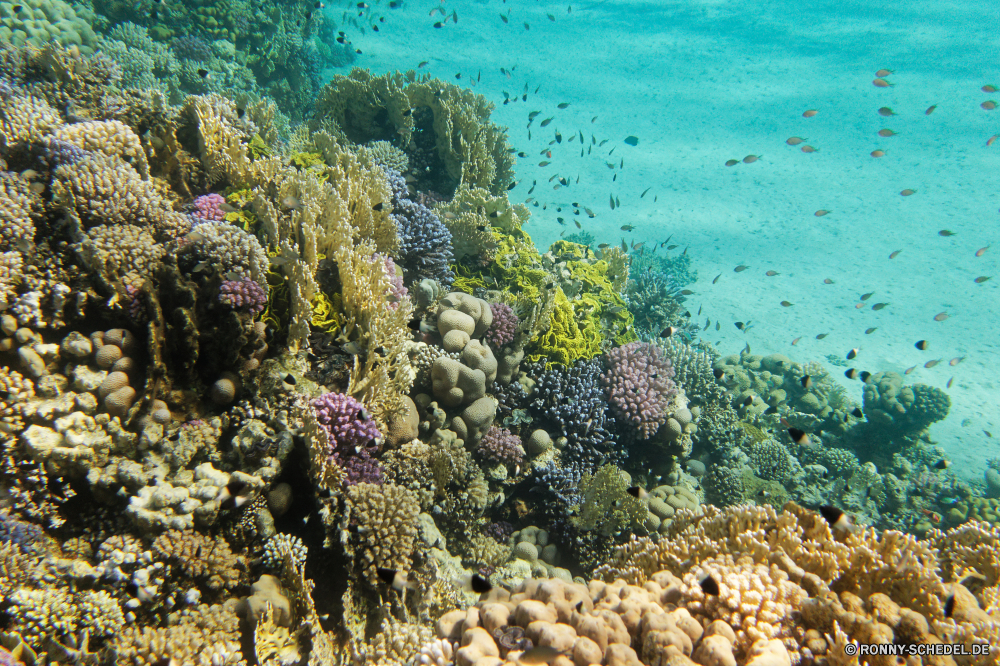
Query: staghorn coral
(639,384)
(382,524)
(424,243)
(572,402)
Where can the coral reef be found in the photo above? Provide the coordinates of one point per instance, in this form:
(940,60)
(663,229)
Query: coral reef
(240,350)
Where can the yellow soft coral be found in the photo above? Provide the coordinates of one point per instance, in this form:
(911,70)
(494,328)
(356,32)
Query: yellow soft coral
(567,338)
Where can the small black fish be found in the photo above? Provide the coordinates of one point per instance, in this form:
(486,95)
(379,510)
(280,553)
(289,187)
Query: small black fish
(739,325)
(949,605)
(667,332)
(857,413)
(719,374)
(637,492)
(709,585)
(806,381)
(921,345)
(865,375)
(748,401)
(852,373)
(439,24)
(852,354)
(942,464)
(378,206)
(479,584)
(414,324)
(632,140)
(290,379)
(203,73)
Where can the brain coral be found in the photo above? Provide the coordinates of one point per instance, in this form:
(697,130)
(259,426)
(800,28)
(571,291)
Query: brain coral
(639,385)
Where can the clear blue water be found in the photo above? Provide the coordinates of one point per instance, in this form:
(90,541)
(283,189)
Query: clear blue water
(700,83)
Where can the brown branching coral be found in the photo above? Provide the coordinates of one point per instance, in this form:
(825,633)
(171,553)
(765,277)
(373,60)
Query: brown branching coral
(851,585)
(201,558)
(201,636)
(380,526)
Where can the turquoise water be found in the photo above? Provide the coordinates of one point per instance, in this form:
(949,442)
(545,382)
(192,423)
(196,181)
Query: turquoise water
(700,83)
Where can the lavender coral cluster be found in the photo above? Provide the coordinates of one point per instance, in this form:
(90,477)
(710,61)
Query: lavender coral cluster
(640,385)
(500,445)
(209,207)
(353,437)
(243,294)
(397,291)
(504,325)
(424,241)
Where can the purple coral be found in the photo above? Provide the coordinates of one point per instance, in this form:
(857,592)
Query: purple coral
(500,445)
(352,435)
(424,241)
(499,530)
(209,207)
(243,293)
(639,385)
(398,291)
(504,325)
